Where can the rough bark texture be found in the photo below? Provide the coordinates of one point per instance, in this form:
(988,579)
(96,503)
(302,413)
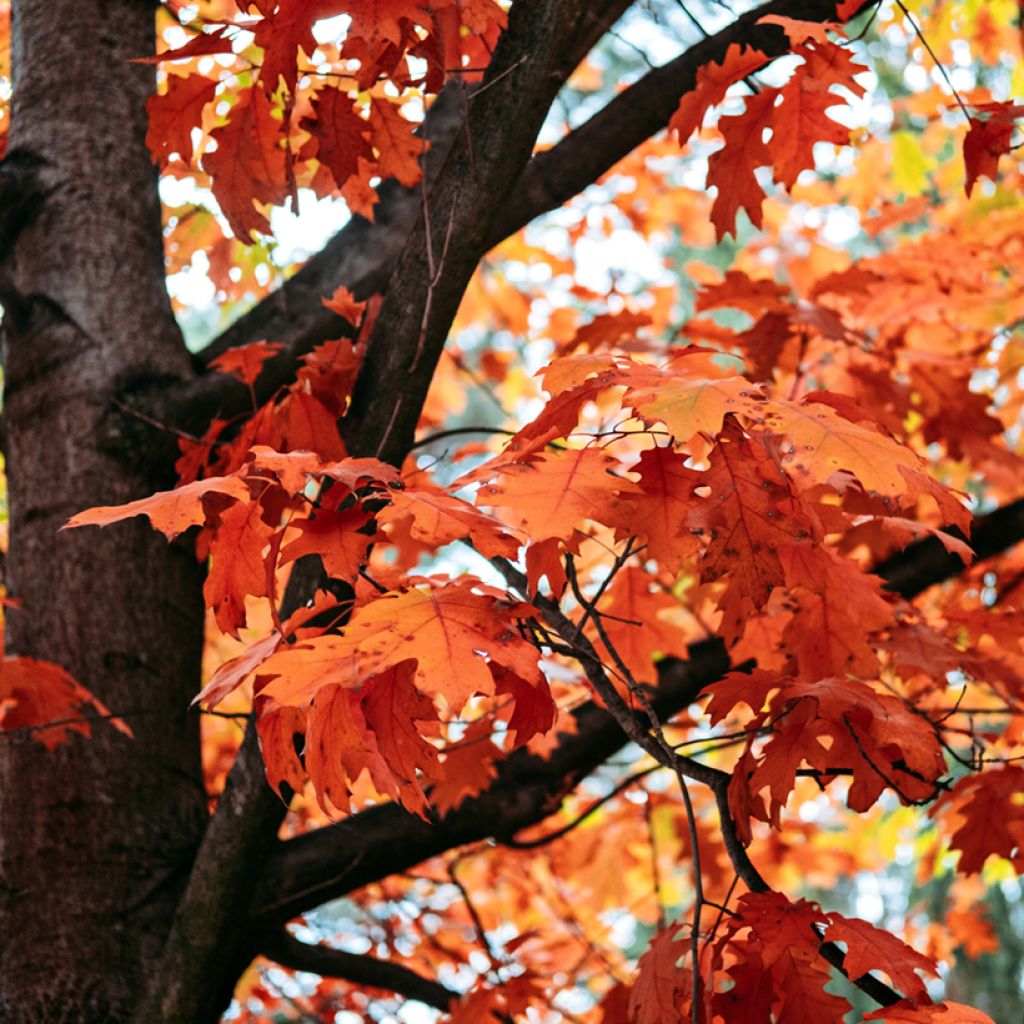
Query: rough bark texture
(96,837)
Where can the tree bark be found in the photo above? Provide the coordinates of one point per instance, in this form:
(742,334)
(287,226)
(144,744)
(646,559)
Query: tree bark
(97,836)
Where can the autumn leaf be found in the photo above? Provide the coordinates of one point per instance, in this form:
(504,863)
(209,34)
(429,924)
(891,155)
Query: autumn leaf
(661,983)
(233,672)
(248,165)
(750,515)
(822,443)
(829,724)
(870,949)
(435,518)
(246,361)
(444,627)
(731,168)
(340,746)
(691,404)
(452,629)
(42,698)
(345,304)
(839,606)
(398,150)
(341,134)
(200,45)
(282,32)
(380,22)
(336,535)
(738,290)
(799,31)
(170,512)
(173,115)
(713,81)
(905,1012)
(801,119)
(781,966)
(985,817)
(554,494)
(534,710)
(237,568)
(661,508)
(987,139)
(634,623)
(277,729)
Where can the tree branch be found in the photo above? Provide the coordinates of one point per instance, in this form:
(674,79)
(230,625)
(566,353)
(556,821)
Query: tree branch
(285,949)
(638,112)
(362,256)
(531,62)
(926,562)
(308,870)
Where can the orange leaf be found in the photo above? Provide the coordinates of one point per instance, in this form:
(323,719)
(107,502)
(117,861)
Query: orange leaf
(234,672)
(446,628)
(170,512)
(905,1012)
(824,443)
(436,518)
(661,981)
(751,514)
(380,22)
(659,513)
(277,728)
(801,119)
(798,31)
(246,361)
(871,949)
(398,150)
(556,493)
(237,568)
(634,626)
(713,81)
(199,45)
(731,168)
(452,629)
(691,404)
(987,139)
(42,697)
(335,536)
(345,304)
(988,812)
(535,711)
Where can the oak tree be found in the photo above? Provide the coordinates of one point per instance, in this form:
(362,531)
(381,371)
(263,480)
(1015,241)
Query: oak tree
(555,596)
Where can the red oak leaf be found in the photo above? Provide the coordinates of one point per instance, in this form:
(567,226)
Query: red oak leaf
(41,697)
(713,81)
(246,361)
(248,165)
(987,139)
(341,135)
(871,949)
(174,113)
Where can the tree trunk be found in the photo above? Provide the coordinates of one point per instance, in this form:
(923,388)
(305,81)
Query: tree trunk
(96,837)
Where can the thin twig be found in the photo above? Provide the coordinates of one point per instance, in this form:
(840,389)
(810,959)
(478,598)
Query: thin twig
(931,53)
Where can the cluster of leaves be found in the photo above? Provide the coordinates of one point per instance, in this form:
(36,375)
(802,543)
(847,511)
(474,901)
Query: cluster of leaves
(294,121)
(734,471)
